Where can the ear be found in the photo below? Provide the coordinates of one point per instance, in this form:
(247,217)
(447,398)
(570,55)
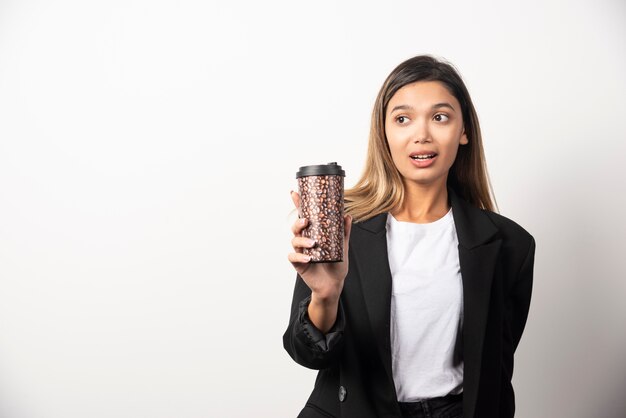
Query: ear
(464,139)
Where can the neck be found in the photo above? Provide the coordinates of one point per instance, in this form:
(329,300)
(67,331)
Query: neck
(422,203)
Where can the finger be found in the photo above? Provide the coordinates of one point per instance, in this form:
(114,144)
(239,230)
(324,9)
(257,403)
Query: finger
(298,243)
(298,258)
(346,235)
(296,201)
(298,226)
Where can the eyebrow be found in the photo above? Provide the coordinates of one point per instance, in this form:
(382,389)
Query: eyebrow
(435,106)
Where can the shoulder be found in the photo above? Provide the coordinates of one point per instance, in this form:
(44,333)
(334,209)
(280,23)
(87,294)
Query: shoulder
(509,230)
(372,225)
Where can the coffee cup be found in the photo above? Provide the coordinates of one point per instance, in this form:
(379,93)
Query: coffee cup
(321,202)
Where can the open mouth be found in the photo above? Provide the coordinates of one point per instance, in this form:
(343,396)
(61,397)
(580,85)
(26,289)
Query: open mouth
(423,157)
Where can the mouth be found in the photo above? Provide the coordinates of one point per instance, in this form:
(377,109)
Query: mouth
(423,159)
(423,156)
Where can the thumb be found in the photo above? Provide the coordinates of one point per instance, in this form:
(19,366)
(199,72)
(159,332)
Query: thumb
(346,235)
(295,197)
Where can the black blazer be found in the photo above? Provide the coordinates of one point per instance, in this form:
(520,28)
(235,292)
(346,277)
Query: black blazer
(355,380)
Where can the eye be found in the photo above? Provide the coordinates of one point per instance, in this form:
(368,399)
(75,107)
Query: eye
(441,117)
(402,120)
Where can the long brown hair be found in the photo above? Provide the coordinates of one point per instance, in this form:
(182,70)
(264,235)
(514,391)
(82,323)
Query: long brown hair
(380,188)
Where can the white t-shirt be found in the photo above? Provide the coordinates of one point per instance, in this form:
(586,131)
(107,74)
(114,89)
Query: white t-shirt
(426,308)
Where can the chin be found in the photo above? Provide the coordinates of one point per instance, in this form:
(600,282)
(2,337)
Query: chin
(425,179)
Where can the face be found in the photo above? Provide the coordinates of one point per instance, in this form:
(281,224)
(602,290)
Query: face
(424,128)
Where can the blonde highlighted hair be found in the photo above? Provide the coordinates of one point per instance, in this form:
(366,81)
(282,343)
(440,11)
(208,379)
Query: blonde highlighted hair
(380,188)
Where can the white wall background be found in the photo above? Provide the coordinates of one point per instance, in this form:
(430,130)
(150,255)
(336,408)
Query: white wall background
(147,151)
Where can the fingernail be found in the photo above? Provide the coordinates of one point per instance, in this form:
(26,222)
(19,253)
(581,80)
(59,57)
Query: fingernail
(302,221)
(311,242)
(307,258)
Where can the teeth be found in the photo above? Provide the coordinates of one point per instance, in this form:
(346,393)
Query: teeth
(423,157)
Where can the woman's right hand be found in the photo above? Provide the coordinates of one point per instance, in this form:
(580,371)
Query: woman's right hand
(324,279)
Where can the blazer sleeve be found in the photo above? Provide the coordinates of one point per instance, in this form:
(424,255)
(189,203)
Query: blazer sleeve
(520,296)
(306,344)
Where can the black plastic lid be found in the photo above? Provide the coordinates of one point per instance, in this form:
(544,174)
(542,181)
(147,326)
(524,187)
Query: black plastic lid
(330,169)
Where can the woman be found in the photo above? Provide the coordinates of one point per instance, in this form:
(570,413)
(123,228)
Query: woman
(423,316)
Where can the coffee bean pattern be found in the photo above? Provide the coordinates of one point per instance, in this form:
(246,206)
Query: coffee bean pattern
(322,204)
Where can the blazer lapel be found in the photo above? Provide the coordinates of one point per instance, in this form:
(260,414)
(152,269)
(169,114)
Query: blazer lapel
(477,258)
(370,252)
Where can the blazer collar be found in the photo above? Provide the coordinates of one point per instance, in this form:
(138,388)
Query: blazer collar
(473,226)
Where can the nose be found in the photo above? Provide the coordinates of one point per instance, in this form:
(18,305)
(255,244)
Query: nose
(421,134)
(422,140)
